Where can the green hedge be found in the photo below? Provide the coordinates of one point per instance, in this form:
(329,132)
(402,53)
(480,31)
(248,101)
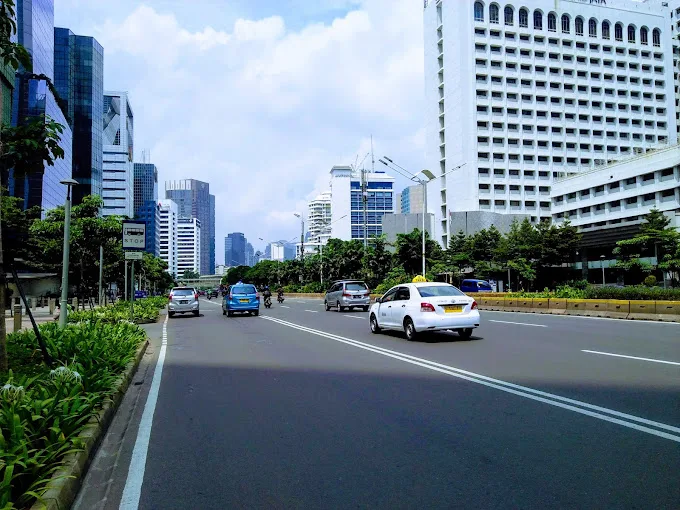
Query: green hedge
(635,292)
(145,310)
(43,411)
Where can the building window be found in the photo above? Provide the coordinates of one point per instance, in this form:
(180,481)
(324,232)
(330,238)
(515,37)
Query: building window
(509,15)
(618,32)
(656,37)
(565,24)
(493,13)
(538,20)
(578,26)
(631,34)
(552,22)
(644,36)
(523,18)
(605,30)
(592,27)
(479,11)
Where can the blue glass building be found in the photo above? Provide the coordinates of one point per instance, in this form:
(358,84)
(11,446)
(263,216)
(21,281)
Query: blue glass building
(146,204)
(79,79)
(33,100)
(380,202)
(235,245)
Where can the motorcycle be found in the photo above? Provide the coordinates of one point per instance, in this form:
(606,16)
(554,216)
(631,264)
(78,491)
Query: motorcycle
(280,298)
(268,302)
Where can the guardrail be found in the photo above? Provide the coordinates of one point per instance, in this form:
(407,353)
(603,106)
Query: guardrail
(665,311)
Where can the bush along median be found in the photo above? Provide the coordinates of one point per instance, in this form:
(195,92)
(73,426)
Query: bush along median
(144,311)
(44,410)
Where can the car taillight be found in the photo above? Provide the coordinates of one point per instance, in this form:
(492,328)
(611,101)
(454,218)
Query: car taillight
(257,295)
(195,295)
(474,305)
(426,307)
(345,294)
(170,297)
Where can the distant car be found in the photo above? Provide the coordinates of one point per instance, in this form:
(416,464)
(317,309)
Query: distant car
(242,297)
(428,306)
(183,300)
(348,294)
(475,286)
(214,293)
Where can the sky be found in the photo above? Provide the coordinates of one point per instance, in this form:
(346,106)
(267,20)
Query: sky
(260,98)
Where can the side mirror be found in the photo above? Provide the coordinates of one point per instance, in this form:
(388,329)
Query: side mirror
(378,300)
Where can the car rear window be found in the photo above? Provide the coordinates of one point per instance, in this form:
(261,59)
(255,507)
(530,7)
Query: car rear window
(183,292)
(356,286)
(439,290)
(243,289)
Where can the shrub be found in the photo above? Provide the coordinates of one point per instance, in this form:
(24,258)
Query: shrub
(42,411)
(312,288)
(650,280)
(145,310)
(396,276)
(635,292)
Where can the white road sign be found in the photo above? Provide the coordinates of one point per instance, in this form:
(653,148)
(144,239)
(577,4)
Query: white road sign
(133,255)
(134,235)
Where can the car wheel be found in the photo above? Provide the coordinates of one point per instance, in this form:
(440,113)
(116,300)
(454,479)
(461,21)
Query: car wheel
(410,329)
(328,308)
(340,308)
(230,313)
(465,334)
(366,308)
(375,327)
(224,312)
(256,313)
(197,313)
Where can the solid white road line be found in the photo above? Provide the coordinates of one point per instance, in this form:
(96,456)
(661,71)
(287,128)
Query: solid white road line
(633,357)
(284,306)
(135,478)
(355,317)
(521,323)
(622,321)
(312,311)
(601,413)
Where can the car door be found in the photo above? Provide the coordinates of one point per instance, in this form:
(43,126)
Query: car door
(385,309)
(400,306)
(332,295)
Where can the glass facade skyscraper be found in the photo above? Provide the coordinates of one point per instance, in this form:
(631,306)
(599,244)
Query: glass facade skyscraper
(118,147)
(146,204)
(235,246)
(32,99)
(79,79)
(194,200)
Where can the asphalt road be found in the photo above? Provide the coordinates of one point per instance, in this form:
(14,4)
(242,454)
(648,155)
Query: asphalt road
(302,408)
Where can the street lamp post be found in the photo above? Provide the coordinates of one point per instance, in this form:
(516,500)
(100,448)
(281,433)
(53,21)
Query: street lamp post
(602,266)
(302,235)
(69,183)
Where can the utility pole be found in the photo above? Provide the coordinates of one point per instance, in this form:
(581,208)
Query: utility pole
(101,274)
(126,280)
(364,193)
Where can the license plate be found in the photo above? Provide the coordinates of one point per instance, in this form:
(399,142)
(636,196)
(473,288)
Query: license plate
(244,300)
(184,302)
(453,308)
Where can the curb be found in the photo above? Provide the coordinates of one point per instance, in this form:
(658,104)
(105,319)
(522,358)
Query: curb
(65,483)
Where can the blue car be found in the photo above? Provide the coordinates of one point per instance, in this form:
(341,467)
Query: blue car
(242,297)
(475,286)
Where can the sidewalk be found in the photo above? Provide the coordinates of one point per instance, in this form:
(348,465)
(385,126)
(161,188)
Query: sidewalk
(40,314)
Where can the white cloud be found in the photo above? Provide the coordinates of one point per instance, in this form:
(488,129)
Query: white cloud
(262,111)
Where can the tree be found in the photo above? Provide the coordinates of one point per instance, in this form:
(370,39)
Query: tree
(190,274)
(16,224)
(410,248)
(377,262)
(25,148)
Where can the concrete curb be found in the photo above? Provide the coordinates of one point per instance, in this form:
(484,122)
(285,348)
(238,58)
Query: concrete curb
(66,481)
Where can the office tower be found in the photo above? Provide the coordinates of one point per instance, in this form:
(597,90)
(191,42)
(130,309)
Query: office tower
(188,245)
(195,201)
(523,93)
(319,218)
(411,200)
(235,249)
(32,100)
(79,79)
(168,234)
(146,203)
(118,143)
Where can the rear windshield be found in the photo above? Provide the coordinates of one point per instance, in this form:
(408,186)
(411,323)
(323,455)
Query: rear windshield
(356,286)
(439,290)
(183,292)
(243,289)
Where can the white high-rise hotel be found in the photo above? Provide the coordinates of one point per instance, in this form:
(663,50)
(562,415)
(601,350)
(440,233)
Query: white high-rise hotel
(524,92)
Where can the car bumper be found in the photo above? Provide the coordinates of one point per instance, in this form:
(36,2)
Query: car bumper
(356,302)
(242,307)
(435,322)
(192,307)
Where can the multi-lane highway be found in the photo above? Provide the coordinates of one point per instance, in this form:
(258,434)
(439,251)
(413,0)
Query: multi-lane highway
(302,408)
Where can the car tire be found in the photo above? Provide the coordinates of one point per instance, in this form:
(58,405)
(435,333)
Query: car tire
(340,308)
(256,313)
(465,334)
(366,308)
(197,313)
(171,314)
(328,308)
(410,330)
(375,327)
(224,312)
(230,313)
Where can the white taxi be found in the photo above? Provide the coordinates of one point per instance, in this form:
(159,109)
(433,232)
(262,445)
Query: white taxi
(427,306)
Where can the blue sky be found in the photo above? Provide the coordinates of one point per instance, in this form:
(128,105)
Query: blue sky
(260,98)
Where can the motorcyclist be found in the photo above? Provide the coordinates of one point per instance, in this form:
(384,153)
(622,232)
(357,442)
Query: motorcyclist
(267,294)
(279,292)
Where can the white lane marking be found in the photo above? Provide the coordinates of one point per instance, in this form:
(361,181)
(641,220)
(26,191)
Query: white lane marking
(284,306)
(515,389)
(135,478)
(521,323)
(632,357)
(355,317)
(312,311)
(583,317)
